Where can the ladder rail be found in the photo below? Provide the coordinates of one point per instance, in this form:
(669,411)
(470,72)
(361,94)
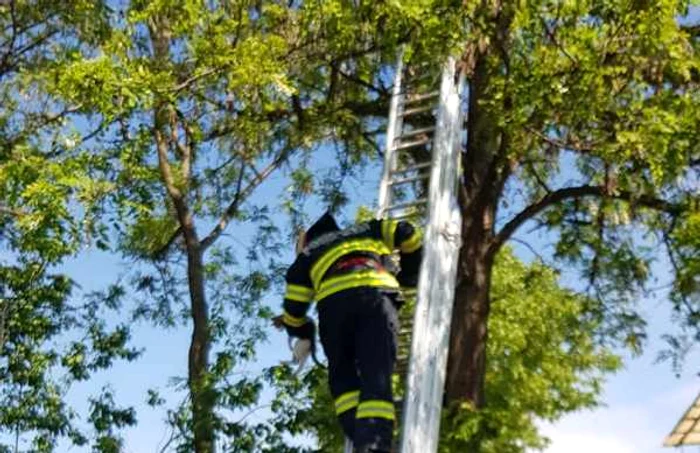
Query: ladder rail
(393,126)
(433,313)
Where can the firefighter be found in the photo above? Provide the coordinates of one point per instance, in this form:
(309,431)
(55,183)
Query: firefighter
(350,274)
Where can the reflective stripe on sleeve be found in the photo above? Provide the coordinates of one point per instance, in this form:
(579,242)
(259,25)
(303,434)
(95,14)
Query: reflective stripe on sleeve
(293,321)
(299,293)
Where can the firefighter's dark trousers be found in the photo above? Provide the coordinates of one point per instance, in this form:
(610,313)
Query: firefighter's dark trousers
(358,330)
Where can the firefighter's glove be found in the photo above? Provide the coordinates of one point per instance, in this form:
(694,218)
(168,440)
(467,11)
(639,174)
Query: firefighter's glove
(278,322)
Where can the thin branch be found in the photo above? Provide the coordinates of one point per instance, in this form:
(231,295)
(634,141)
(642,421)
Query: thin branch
(43,120)
(538,178)
(368,138)
(363,83)
(4,210)
(552,35)
(530,248)
(223,130)
(241,196)
(183,149)
(693,30)
(560,195)
(570,144)
(11,44)
(195,78)
(252,411)
(676,269)
(158,254)
(7,66)
(171,439)
(600,223)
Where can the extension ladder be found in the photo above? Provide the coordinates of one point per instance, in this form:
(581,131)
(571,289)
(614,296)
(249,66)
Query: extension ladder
(419,183)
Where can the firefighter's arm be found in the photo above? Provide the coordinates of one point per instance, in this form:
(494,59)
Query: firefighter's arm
(297,299)
(294,316)
(408,240)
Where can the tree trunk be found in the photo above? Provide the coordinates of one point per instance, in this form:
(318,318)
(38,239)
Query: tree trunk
(201,391)
(202,397)
(484,175)
(467,356)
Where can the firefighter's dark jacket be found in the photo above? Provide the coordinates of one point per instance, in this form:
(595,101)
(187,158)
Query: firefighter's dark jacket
(312,277)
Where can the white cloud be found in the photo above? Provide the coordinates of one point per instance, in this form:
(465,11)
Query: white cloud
(585,443)
(637,426)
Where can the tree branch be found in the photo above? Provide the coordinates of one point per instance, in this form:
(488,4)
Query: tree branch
(5,211)
(165,169)
(555,40)
(693,30)
(566,143)
(676,268)
(560,195)
(240,197)
(186,83)
(359,81)
(6,57)
(531,249)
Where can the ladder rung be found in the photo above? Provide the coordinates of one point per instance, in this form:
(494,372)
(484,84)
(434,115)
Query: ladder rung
(398,182)
(416,167)
(413,111)
(408,204)
(412,144)
(414,132)
(420,97)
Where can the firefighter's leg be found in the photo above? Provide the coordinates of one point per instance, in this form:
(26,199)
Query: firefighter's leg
(375,344)
(336,328)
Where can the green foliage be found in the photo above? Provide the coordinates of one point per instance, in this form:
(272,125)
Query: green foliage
(49,203)
(37,362)
(544,361)
(105,417)
(633,139)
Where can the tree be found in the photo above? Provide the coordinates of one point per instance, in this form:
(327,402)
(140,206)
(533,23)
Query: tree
(196,104)
(48,341)
(582,123)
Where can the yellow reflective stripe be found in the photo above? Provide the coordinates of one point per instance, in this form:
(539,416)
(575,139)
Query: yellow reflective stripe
(347,401)
(388,232)
(359,245)
(363,278)
(413,243)
(375,409)
(293,321)
(299,293)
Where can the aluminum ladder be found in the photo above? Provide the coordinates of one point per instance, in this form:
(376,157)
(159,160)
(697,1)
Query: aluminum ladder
(419,182)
